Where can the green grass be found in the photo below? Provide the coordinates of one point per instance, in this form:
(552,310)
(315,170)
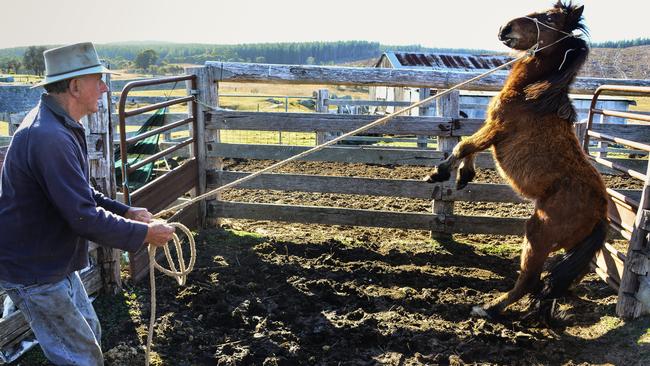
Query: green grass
(503,250)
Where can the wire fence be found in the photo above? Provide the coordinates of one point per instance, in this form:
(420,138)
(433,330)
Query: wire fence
(268,137)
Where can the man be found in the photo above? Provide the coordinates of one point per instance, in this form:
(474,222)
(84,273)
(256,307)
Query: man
(48,210)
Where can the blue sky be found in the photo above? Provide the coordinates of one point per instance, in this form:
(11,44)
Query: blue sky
(433,23)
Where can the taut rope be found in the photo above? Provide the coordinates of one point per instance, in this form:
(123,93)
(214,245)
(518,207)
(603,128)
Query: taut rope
(181,275)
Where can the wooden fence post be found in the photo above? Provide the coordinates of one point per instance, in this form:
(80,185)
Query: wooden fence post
(322,107)
(446,106)
(207,94)
(422,140)
(14,120)
(101,166)
(634,293)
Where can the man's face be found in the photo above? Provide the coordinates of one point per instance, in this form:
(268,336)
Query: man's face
(90,89)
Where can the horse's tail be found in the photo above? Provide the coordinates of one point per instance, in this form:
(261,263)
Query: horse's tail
(573,265)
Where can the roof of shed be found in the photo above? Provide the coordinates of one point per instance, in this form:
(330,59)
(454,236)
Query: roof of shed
(443,61)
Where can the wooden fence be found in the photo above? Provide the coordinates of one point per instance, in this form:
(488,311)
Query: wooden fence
(446,127)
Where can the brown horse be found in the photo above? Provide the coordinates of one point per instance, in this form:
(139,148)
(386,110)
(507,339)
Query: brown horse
(529,128)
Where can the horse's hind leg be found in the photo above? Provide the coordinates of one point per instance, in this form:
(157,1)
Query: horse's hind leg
(533,255)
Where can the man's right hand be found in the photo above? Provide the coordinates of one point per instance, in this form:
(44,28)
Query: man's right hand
(159,233)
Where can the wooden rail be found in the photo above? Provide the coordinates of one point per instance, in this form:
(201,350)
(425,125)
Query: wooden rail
(302,74)
(369,218)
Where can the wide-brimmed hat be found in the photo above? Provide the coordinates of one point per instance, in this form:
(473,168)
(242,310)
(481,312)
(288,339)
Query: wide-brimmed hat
(70,61)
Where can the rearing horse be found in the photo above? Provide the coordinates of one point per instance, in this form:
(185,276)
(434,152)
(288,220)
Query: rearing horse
(529,128)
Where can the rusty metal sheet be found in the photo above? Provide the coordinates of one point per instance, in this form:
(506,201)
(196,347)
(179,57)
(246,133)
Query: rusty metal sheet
(162,192)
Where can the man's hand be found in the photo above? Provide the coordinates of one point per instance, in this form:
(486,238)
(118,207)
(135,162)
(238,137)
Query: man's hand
(139,214)
(159,233)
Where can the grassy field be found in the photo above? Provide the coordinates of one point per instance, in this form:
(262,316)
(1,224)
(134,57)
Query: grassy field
(24,78)
(257,96)
(642,104)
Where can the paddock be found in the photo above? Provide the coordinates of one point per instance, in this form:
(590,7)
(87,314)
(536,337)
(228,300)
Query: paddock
(441,212)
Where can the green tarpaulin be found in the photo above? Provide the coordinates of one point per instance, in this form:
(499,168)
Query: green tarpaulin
(140,150)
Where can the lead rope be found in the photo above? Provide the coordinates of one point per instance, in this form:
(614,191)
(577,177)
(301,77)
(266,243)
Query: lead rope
(181,275)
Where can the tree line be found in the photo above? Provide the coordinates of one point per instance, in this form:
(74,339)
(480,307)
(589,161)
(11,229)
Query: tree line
(162,57)
(623,43)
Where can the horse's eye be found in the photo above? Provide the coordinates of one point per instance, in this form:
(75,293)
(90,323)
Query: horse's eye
(549,19)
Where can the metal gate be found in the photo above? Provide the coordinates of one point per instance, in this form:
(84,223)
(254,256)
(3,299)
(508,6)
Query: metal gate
(629,214)
(171,186)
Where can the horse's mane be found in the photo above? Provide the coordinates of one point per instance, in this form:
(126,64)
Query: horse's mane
(550,94)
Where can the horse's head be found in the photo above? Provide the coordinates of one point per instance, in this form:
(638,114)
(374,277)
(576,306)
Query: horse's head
(543,27)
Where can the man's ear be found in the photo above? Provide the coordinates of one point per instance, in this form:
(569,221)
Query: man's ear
(74,87)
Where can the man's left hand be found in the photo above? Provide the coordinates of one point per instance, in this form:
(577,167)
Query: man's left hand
(139,214)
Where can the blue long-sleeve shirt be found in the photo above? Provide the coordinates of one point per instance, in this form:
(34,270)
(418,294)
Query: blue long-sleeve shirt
(48,209)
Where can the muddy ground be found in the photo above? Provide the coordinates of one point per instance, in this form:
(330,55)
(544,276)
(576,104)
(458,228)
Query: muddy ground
(267,293)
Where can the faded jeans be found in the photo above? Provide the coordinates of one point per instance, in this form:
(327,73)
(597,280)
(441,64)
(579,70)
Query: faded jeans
(62,318)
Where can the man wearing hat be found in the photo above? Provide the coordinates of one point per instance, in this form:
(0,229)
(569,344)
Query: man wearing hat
(48,210)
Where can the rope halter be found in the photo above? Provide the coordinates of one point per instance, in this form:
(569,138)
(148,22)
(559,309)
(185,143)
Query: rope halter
(535,48)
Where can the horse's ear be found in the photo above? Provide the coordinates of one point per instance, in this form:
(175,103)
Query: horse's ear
(577,12)
(574,16)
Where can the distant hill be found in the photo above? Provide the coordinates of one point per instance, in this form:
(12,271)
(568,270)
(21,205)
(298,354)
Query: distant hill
(620,63)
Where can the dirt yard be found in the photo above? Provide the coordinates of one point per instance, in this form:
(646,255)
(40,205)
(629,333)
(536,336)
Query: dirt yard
(267,293)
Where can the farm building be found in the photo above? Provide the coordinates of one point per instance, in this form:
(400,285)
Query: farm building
(472,103)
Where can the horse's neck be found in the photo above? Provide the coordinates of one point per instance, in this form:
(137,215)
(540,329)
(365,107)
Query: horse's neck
(527,72)
(551,70)
(542,81)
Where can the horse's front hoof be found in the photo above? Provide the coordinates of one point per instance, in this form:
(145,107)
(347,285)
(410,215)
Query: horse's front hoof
(479,312)
(438,175)
(486,312)
(464,177)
